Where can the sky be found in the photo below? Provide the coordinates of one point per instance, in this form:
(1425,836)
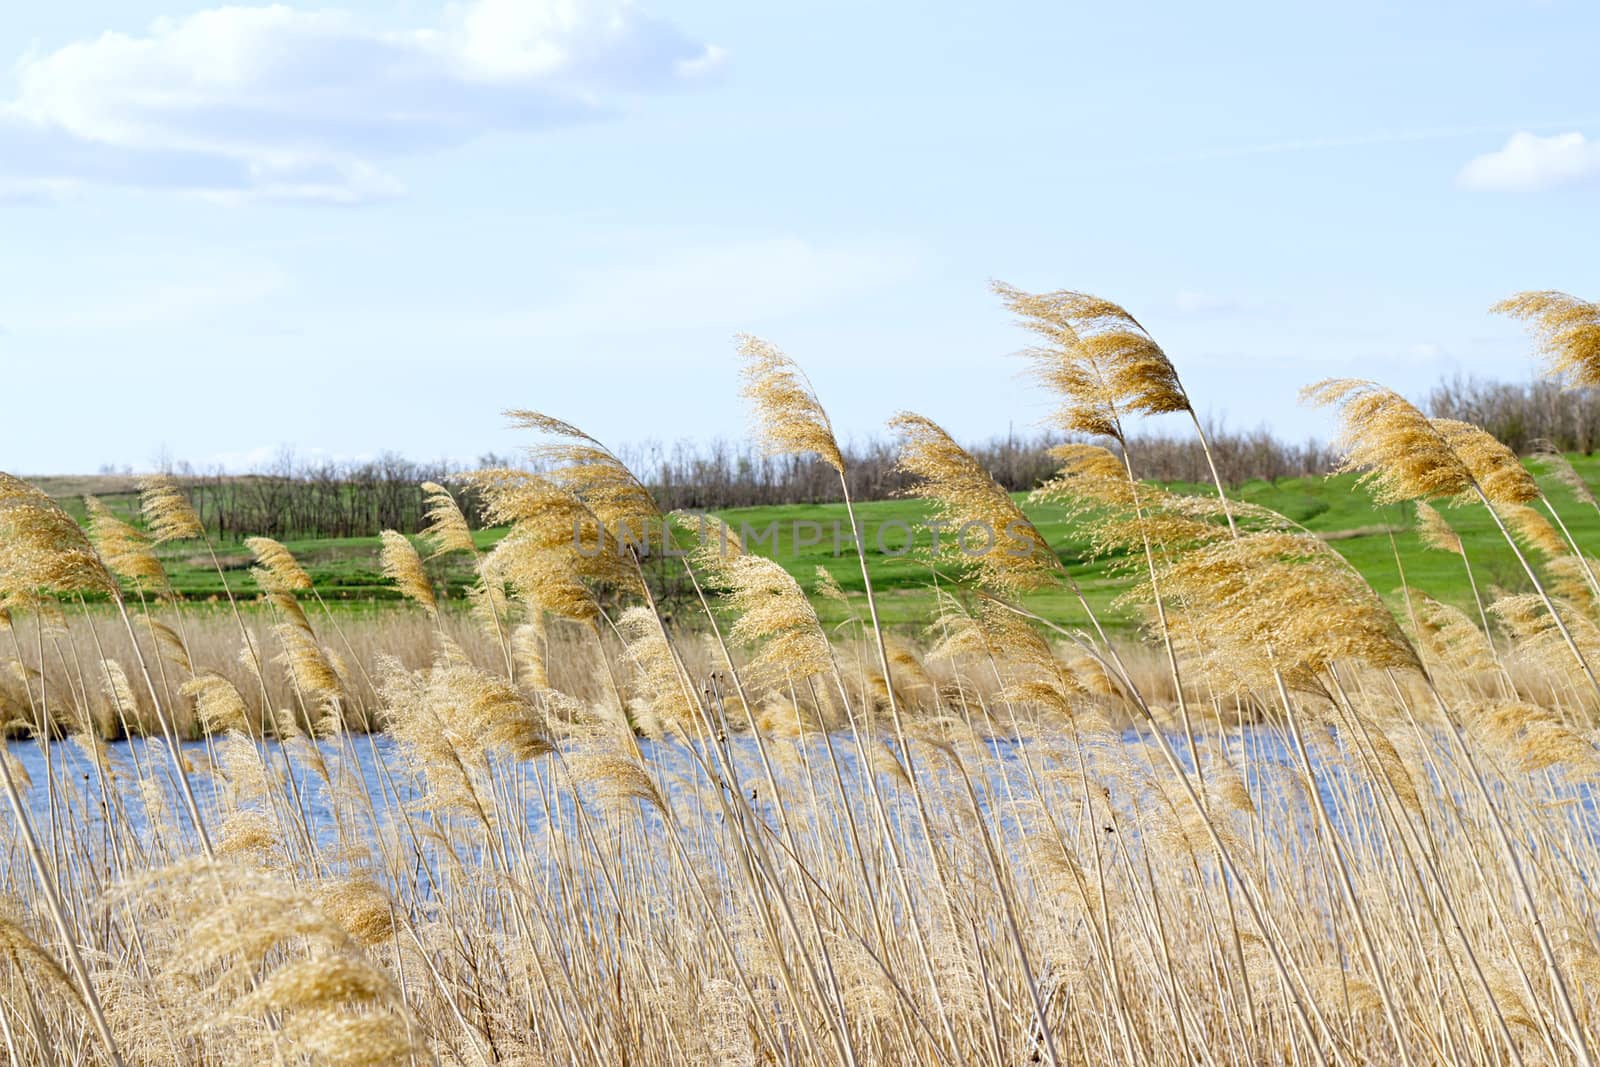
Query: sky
(356,227)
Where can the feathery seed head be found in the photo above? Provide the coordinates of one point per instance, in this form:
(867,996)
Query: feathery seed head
(1567,331)
(1401,454)
(313,675)
(585,468)
(167,512)
(364,1039)
(1533,738)
(1560,468)
(479,711)
(1448,635)
(775,613)
(18,942)
(450,719)
(1498,472)
(491,604)
(556,547)
(1570,578)
(318,981)
(277,570)
(1435,531)
(828,588)
(169,642)
(1538,638)
(1288,592)
(1124,517)
(615,783)
(361,906)
(666,702)
(1097,358)
(125,550)
(447,529)
(544,577)
(18,769)
(715,542)
(286,604)
(43,548)
(1011,557)
(399,562)
(789,418)
(217,702)
(1533,529)
(1090,478)
(530,647)
(115,686)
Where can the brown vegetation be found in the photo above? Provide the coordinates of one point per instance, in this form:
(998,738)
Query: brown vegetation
(1290,828)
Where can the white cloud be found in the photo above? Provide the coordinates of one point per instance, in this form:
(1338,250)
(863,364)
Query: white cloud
(731,285)
(286,103)
(705,65)
(1530,163)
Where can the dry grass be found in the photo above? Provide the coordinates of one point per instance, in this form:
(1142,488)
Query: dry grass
(537,829)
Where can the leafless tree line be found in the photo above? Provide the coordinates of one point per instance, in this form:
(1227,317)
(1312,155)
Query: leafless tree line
(1522,415)
(291,498)
(724,474)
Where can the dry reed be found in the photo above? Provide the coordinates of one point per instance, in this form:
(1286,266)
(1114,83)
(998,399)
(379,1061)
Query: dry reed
(1293,826)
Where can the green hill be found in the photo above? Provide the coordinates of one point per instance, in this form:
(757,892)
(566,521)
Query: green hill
(346,569)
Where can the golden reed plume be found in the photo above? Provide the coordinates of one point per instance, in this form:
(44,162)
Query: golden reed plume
(1560,468)
(789,420)
(276,570)
(569,849)
(1567,330)
(399,562)
(588,470)
(45,550)
(126,551)
(1400,453)
(167,512)
(1097,358)
(1496,469)
(776,615)
(555,548)
(1434,531)
(446,530)
(1008,555)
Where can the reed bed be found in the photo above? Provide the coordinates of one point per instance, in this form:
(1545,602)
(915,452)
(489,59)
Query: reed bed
(1295,824)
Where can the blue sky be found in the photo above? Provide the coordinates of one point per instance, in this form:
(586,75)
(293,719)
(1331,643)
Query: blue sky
(369,226)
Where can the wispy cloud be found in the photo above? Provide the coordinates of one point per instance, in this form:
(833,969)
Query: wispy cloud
(1530,163)
(731,284)
(1331,142)
(296,104)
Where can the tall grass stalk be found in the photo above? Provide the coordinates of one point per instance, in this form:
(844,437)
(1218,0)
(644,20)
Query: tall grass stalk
(580,827)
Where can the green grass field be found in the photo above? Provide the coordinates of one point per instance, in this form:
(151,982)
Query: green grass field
(346,569)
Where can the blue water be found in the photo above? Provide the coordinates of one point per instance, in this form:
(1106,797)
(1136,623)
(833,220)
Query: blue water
(692,780)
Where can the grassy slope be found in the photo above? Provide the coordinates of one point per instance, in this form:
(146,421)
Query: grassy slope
(1335,506)
(346,569)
